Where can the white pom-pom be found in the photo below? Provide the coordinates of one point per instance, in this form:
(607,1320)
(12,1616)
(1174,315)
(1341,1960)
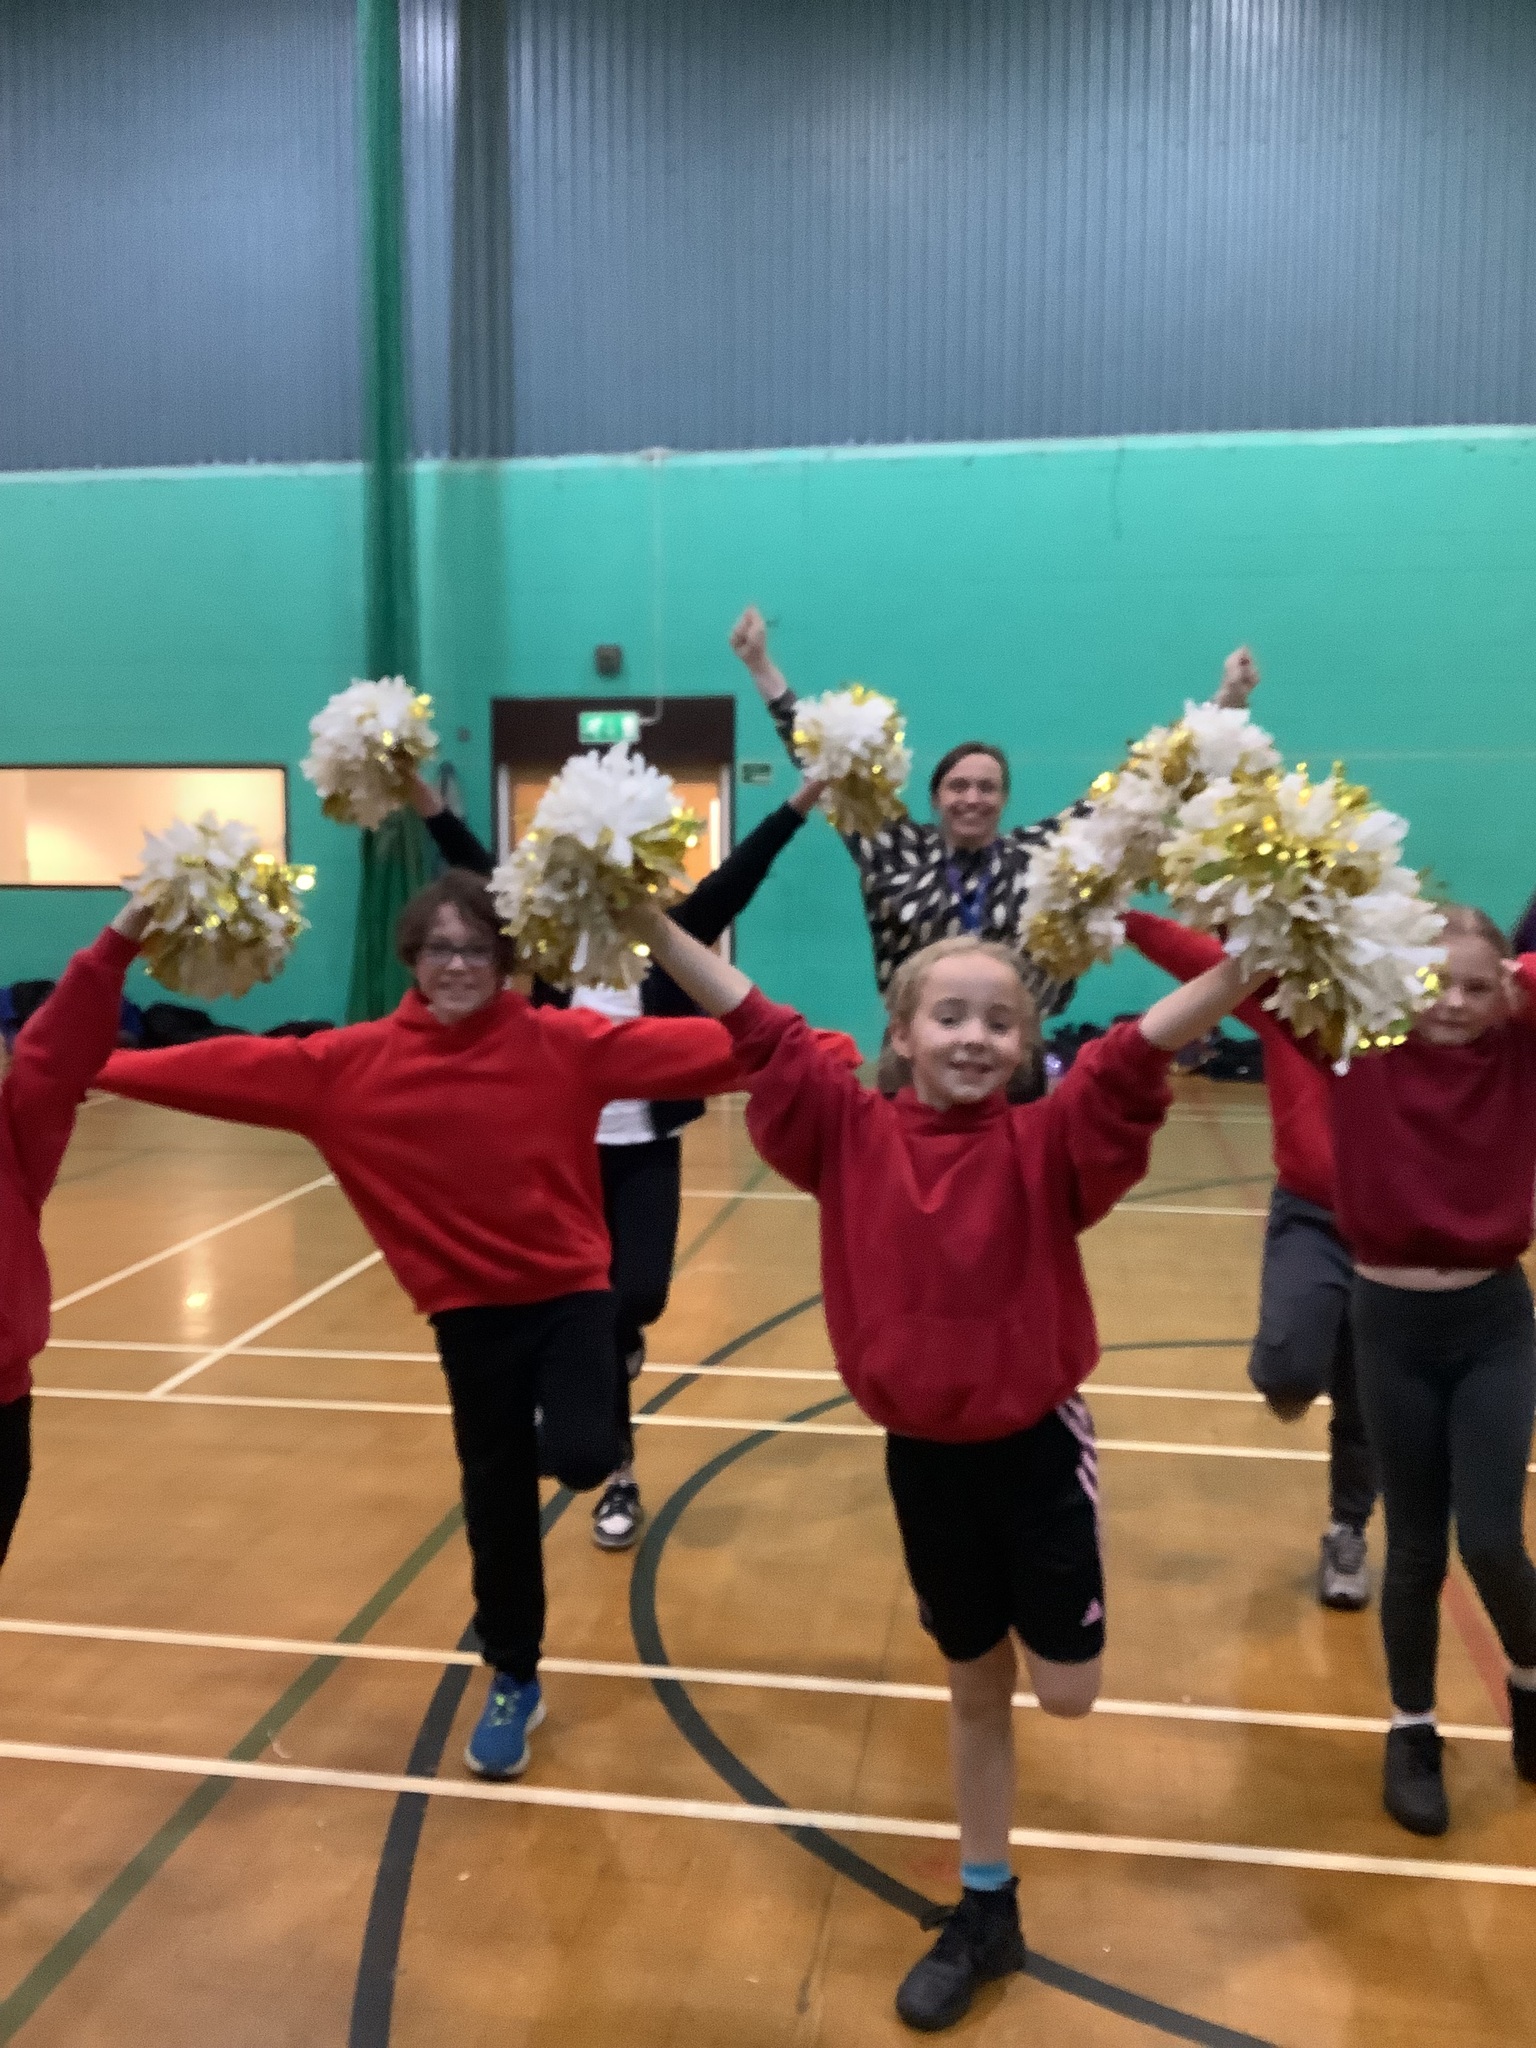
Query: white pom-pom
(1079,887)
(367,744)
(1304,881)
(608,836)
(853,740)
(224,914)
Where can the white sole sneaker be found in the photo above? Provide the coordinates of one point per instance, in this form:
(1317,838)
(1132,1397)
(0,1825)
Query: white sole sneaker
(472,1762)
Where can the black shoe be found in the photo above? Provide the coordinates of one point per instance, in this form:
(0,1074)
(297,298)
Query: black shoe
(1343,1577)
(617,1517)
(981,1941)
(1413,1790)
(1522,1722)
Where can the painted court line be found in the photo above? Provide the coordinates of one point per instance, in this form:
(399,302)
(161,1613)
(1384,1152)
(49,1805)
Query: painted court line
(691,1674)
(570,1799)
(325,1180)
(189,1372)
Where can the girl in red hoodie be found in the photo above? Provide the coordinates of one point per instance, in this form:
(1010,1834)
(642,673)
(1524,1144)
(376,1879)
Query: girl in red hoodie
(1435,1180)
(462,1128)
(57,1054)
(960,1319)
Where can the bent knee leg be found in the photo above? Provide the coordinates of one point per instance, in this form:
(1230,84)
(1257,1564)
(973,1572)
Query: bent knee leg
(1065,1691)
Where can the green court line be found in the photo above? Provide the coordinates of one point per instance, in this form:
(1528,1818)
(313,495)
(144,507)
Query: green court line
(75,1944)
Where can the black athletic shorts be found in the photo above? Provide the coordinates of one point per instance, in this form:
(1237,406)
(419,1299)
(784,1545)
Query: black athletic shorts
(1005,1535)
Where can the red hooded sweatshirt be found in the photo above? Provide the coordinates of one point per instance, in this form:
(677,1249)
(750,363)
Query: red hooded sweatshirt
(467,1149)
(1299,1113)
(56,1057)
(954,1292)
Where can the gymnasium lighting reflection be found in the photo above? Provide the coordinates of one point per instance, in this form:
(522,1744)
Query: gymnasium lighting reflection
(196,1300)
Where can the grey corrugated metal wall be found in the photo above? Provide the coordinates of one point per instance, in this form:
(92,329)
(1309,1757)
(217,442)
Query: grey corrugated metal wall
(723,223)
(178,237)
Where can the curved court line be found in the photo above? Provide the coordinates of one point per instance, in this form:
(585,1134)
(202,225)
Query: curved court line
(325,1180)
(373,1995)
(804,1829)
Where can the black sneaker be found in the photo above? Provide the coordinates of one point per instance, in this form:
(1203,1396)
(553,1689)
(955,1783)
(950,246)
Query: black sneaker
(1343,1577)
(1522,1722)
(981,1941)
(1413,1789)
(617,1517)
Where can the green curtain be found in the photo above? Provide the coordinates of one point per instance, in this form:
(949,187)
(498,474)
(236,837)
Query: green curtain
(399,856)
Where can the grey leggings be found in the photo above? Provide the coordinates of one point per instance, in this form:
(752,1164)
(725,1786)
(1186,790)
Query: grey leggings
(1448,1384)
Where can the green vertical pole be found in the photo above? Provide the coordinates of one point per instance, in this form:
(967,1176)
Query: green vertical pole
(398,857)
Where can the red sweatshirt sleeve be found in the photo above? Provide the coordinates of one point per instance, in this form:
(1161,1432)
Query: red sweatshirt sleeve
(58,1052)
(802,1085)
(654,1059)
(1525,974)
(1106,1114)
(277,1083)
(1185,955)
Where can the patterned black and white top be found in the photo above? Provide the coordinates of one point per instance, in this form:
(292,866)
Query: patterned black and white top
(916,888)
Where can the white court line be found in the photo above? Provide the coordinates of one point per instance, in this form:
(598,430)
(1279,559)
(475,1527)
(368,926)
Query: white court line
(569,1799)
(260,1329)
(737,1424)
(325,1180)
(696,1674)
(793,1195)
(664,1371)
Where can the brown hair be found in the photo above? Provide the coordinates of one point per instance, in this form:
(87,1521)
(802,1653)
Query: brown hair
(1463,922)
(457,890)
(947,761)
(906,989)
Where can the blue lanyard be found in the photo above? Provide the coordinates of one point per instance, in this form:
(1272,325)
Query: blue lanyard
(970,896)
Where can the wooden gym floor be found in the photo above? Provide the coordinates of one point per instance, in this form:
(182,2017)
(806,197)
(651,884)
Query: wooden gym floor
(232,1707)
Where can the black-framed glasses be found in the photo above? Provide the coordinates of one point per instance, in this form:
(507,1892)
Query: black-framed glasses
(437,953)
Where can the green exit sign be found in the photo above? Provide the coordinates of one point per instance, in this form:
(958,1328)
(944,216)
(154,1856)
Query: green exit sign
(607,728)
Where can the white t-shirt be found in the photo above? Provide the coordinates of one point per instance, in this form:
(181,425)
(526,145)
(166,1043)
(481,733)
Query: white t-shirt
(621,1123)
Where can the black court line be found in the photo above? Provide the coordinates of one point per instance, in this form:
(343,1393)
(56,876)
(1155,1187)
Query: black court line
(373,1997)
(695,1729)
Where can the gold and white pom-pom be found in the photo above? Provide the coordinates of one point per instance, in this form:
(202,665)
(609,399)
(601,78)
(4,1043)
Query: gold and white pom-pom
(854,741)
(1081,883)
(1305,882)
(609,836)
(366,746)
(225,914)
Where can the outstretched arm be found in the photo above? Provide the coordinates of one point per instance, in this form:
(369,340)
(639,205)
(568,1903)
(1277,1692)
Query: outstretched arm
(721,897)
(450,835)
(749,644)
(714,984)
(277,1083)
(1187,1013)
(62,1046)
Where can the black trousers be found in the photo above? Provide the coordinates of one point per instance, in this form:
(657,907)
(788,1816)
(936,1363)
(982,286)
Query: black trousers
(1304,1347)
(642,1194)
(501,1364)
(15,1464)
(1449,1386)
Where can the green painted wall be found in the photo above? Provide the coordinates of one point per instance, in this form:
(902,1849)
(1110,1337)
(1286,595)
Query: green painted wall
(1058,597)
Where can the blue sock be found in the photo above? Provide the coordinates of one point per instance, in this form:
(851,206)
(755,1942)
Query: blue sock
(986,1877)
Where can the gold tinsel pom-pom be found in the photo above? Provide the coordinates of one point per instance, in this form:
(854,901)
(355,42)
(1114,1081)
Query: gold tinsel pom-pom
(366,746)
(854,741)
(225,913)
(1304,881)
(1081,882)
(608,837)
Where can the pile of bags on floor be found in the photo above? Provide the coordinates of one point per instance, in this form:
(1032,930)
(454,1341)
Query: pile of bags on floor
(146,1028)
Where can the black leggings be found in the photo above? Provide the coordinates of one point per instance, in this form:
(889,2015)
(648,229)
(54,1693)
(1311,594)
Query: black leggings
(642,1193)
(501,1364)
(1448,1384)
(15,1464)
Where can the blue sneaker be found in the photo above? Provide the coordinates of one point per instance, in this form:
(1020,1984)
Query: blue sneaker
(499,1746)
